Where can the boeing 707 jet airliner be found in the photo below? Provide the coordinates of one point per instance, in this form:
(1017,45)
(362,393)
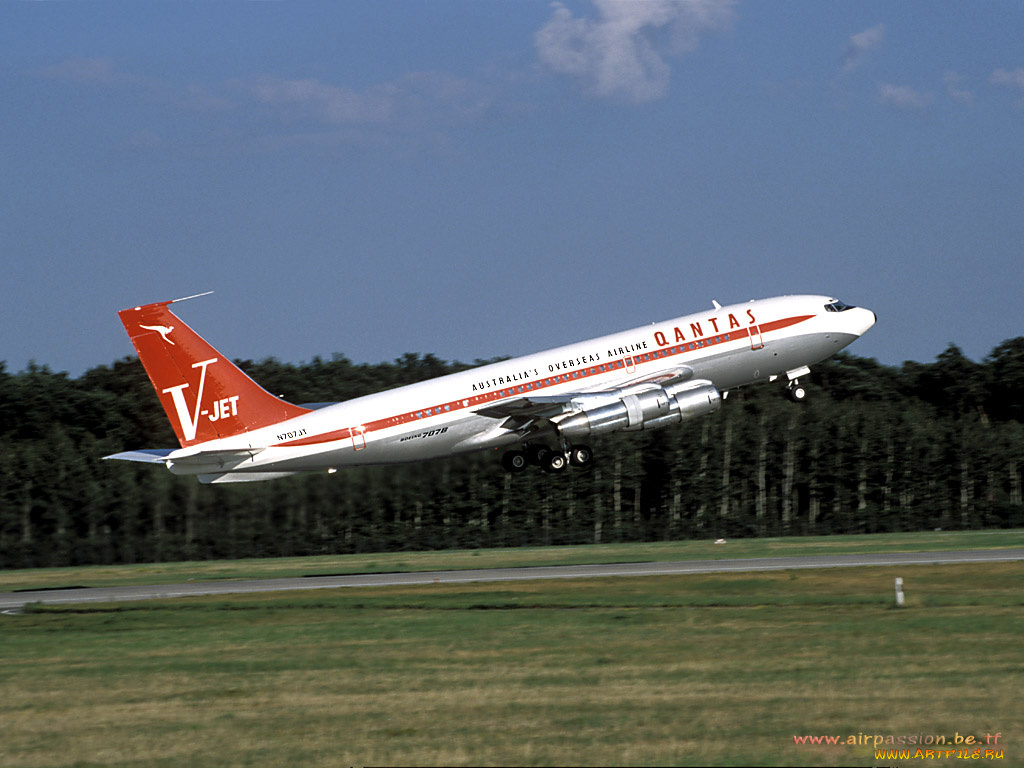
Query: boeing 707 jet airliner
(541,408)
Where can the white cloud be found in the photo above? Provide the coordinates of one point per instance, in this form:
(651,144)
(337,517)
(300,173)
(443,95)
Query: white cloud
(622,53)
(432,99)
(955,90)
(860,44)
(1011,78)
(440,98)
(97,71)
(903,97)
(331,104)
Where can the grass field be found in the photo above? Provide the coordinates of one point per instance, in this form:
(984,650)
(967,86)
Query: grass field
(722,669)
(164,573)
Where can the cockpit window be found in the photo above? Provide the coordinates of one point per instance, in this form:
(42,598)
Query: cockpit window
(838,306)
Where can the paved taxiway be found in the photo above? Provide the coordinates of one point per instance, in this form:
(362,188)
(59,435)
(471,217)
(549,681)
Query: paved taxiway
(15,600)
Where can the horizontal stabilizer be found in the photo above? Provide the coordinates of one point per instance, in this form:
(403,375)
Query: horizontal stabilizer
(188,456)
(242,477)
(146,456)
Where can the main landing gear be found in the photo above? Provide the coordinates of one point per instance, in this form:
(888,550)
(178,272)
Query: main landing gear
(548,459)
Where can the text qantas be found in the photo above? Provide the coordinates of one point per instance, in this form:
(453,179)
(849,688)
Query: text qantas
(660,338)
(697,330)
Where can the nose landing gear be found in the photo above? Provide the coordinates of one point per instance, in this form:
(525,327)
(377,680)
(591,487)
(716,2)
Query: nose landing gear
(796,391)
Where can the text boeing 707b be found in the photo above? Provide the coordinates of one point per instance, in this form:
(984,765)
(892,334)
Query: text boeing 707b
(542,408)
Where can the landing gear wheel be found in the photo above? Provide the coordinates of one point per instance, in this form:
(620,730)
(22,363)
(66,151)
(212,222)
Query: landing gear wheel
(555,462)
(580,455)
(537,454)
(797,393)
(514,462)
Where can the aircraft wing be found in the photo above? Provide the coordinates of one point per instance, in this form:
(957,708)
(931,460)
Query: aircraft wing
(666,376)
(522,412)
(535,406)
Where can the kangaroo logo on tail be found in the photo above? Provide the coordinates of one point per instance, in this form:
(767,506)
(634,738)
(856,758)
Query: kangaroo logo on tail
(163,330)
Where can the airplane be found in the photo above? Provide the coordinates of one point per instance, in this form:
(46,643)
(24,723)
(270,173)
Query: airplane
(541,408)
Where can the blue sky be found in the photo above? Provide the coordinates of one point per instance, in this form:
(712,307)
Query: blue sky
(481,178)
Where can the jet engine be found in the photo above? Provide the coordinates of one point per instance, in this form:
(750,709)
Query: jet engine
(649,409)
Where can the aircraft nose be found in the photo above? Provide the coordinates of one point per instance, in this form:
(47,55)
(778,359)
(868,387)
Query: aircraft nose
(867,320)
(855,321)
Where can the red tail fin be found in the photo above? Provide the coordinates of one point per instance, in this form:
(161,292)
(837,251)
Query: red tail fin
(203,393)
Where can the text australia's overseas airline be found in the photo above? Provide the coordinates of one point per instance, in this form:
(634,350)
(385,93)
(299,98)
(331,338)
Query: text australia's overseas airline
(541,409)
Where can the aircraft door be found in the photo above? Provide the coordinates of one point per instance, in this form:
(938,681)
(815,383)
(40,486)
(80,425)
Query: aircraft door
(756,342)
(358,435)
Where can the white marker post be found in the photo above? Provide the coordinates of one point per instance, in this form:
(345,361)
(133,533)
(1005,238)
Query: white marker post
(899,592)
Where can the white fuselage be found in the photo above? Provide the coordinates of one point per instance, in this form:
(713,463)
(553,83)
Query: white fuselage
(728,346)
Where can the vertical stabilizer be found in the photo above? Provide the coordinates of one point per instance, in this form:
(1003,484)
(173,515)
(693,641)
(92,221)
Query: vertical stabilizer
(204,394)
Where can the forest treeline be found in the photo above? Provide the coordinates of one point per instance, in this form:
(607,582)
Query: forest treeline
(876,448)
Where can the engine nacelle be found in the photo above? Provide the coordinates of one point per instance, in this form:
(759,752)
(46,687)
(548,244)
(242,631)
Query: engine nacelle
(645,410)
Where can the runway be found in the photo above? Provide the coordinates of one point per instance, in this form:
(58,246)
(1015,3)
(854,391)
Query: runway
(16,600)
